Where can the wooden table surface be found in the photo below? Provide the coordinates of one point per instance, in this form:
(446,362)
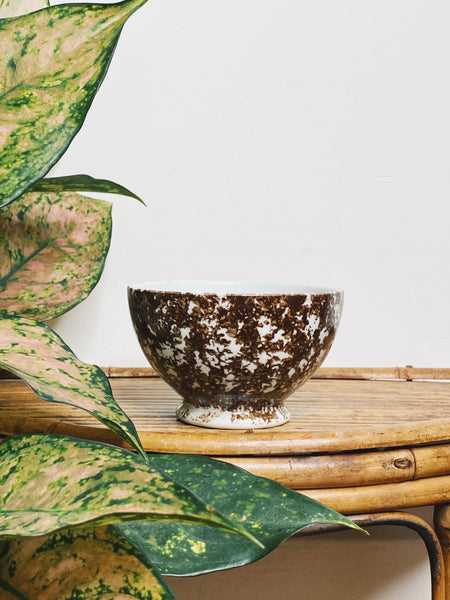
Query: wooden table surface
(327,416)
(347,439)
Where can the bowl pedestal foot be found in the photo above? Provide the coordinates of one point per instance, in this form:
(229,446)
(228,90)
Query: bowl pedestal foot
(237,417)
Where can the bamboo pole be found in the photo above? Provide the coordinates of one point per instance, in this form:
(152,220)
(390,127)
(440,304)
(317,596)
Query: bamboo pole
(437,558)
(442,528)
(407,373)
(390,496)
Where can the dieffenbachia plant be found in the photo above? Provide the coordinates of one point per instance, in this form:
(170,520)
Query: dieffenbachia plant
(81,519)
(53,240)
(178,515)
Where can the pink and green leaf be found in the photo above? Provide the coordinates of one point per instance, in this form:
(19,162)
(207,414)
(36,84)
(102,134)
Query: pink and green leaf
(53,248)
(53,62)
(81,183)
(51,482)
(14,8)
(83,563)
(38,355)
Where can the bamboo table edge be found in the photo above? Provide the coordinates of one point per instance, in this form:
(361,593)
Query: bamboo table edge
(169,436)
(407,373)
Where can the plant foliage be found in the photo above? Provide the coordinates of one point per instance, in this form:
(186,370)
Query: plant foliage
(50,482)
(53,247)
(99,565)
(161,513)
(81,183)
(268,510)
(52,62)
(38,355)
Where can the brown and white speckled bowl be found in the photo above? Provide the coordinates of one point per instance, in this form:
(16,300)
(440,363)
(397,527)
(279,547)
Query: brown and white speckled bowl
(234,351)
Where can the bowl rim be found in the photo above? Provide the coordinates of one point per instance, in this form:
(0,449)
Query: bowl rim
(218,287)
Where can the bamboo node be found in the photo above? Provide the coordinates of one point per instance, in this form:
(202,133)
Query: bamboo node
(402,463)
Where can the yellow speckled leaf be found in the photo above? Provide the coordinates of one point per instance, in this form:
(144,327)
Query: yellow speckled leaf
(86,564)
(51,62)
(51,482)
(37,355)
(13,8)
(270,511)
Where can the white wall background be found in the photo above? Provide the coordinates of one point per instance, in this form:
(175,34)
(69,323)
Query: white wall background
(287,140)
(283,140)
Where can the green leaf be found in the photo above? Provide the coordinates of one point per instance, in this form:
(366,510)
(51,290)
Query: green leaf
(268,510)
(84,563)
(38,356)
(53,248)
(52,63)
(13,8)
(50,482)
(81,183)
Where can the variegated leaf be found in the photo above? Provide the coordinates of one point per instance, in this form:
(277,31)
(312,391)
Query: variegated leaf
(13,8)
(52,63)
(53,248)
(38,356)
(84,563)
(81,183)
(50,482)
(269,511)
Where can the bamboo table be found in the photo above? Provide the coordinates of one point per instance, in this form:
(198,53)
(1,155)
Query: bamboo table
(358,442)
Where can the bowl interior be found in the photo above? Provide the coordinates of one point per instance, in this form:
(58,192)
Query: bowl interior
(242,288)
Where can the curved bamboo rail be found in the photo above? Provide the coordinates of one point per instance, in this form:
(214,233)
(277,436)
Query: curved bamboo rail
(436,555)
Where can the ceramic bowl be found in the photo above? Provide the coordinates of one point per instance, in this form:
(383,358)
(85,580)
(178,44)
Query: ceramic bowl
(234,351)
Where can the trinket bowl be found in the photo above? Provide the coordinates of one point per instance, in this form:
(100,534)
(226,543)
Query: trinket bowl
(234,351)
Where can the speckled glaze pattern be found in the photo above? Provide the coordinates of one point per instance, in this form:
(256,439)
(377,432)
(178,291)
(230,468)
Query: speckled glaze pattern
(234,358)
